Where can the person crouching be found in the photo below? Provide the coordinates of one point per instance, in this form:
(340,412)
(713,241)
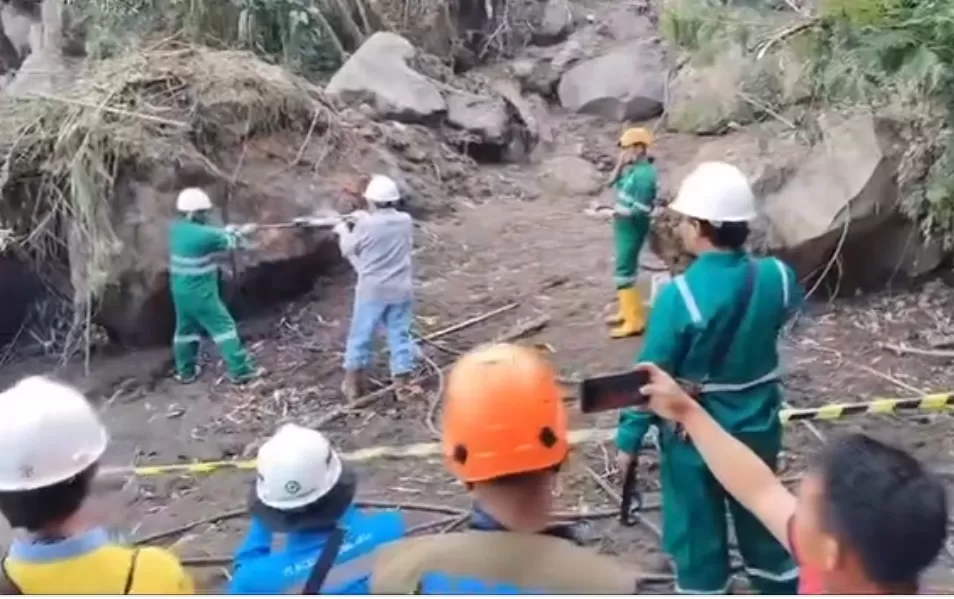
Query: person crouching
(304,491)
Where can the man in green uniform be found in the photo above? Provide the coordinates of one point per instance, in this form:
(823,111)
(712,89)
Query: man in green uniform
(715,329)
(194,281)
(634,179)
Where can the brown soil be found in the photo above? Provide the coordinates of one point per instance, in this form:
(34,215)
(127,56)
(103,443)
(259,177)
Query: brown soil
(507,242)
(542,253)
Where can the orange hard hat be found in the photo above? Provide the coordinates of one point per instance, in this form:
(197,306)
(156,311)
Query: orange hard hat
(503,414)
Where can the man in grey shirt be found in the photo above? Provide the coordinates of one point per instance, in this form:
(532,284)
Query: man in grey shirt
(379,248)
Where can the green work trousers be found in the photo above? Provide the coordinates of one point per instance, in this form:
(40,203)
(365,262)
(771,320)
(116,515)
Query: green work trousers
(629,233)
(205,313)
(695,531)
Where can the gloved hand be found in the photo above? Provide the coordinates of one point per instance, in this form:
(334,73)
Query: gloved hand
(342,229)
(241,229)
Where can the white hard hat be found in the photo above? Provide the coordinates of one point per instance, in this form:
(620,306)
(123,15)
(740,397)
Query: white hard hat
(48,434)
(296,467)
(382,190)
(716,192)
(193,199)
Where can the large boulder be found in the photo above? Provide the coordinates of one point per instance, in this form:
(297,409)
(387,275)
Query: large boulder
(570,175)
(487,118)
(837,196)
(733,88)
(556,23)
(378,75)
(282,263)
(844,189)
(627,84)
(768,156)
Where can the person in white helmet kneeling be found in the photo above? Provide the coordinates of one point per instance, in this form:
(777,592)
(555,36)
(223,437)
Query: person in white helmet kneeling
(715,329)
(305,491)
(194,282)
(378,243)
(51,442)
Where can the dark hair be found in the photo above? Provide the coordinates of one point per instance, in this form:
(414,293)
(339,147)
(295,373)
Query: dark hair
(882,503)
(730,236)
(36,509)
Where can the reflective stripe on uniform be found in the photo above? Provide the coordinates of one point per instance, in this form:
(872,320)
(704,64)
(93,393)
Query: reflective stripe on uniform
(191,267)
(226,336)
(771,376)
(187,261)
(350,571)
(683,591)
(630,203)
(688,299)
(785,284)
(766,575)
(183,339)
(187,271)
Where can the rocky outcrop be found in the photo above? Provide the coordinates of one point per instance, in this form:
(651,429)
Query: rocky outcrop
(733,88)
(843,189)
(487,118)
(838,195)
(379,76)
(628,83)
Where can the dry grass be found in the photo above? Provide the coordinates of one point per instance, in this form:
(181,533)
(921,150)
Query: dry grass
(169,105)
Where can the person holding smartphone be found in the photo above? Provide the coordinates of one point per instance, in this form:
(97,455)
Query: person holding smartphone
(715,329)
(868,519)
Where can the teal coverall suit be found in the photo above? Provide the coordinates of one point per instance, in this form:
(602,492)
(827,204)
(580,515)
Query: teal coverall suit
(194,281)
(635,196)
(745,398)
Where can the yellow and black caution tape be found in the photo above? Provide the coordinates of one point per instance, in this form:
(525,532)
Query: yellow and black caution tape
(930,403)
(837,411)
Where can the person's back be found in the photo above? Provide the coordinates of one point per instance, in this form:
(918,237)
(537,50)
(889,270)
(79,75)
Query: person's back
(302,489)
(383,245)
(699,308)
(715,329)
(50,445)
(90,564)
(497,563)
(504,435)
(192,249)
(285,569)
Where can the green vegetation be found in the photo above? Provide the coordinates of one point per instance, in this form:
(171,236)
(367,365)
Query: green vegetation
(309,37)
(896,56)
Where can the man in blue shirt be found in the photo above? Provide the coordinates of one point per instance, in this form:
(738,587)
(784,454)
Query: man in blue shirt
(304,491)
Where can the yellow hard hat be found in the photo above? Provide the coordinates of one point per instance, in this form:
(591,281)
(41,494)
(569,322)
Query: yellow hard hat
(635,136)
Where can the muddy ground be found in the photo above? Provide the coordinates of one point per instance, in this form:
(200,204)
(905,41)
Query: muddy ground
(512,246)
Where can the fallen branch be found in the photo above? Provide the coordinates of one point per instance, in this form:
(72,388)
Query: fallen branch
(469,322)
(235,513)
(616,497)
(906,349)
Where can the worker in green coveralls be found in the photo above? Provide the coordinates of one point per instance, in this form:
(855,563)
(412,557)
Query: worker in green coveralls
(715,329)
(634,180)
(194,281)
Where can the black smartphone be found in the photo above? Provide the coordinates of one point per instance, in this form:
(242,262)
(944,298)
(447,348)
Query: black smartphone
(613,391)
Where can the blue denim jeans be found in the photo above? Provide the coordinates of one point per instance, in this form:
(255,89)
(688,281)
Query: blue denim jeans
(397,319)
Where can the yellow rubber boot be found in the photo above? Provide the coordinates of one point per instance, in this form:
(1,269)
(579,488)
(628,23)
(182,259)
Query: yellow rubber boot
(616,318)
(634,315)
